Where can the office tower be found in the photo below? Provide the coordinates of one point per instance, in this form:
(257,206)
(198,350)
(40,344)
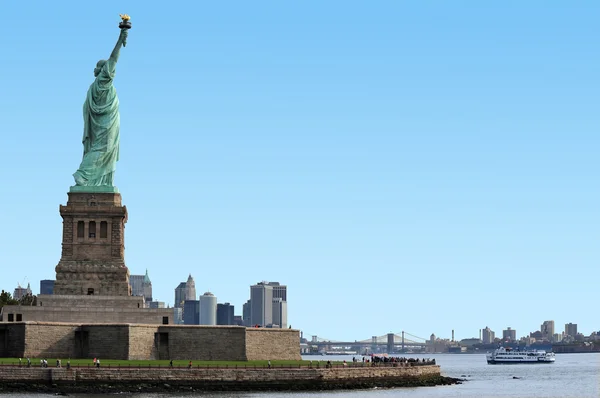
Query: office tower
(141,286)
(547,329)
(246,311)
(279,313)
(261,303)
(185,291)
(191,288)
(21,292)
(191,312)
(509,334)
(47,286)
(571,329)
(225,314)
(261,299)
(487,336)
(208,309)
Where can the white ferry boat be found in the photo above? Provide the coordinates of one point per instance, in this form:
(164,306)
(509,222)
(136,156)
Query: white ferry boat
(508,355)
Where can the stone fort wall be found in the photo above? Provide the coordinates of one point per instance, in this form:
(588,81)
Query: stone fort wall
(223,378)
(128,341)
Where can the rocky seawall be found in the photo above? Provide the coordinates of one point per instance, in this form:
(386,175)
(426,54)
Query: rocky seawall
(61,380)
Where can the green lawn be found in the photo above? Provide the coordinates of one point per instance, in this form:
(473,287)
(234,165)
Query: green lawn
(164,363)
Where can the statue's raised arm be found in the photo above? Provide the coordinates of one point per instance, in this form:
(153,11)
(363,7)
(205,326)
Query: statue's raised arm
(114,56)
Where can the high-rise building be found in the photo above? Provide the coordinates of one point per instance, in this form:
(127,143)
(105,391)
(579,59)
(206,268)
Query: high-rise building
(225,314)
(488,336)
(191,288)
(141,286)
(21,292)
(157,304)
(208,309)
(571,329)
(191,312)
(246,311)
(136,281)
(47,286)
(509,334)
(180,295)
(261,304)
(547,329)
(279,313)
(185,291)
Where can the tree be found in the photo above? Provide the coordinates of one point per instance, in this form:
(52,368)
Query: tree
(6,299)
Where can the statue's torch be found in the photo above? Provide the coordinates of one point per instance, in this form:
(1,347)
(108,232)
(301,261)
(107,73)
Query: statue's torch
(125,24)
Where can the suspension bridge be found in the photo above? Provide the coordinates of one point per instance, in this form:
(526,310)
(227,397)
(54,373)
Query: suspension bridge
(390,342)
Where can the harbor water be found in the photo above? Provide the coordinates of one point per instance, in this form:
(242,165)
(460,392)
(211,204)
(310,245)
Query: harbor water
(573,375)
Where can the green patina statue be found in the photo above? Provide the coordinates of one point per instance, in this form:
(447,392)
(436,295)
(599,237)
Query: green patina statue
(101,125)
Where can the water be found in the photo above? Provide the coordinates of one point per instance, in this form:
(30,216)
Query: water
(572,376)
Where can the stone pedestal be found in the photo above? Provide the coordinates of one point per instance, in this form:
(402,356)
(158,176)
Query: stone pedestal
(93,249)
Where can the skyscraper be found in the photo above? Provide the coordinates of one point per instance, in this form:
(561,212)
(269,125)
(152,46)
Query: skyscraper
(509,334)
(21,292)
(547,329)
(571,329)
(246,312)
(261,304)
(225,314)
(280,312)
(185,291)
(262,309)
(191,312)
(141,286)
(47,286)
(488,336)
(191,288)
(208,309)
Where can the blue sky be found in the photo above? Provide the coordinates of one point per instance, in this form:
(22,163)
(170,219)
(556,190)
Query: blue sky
(419,166)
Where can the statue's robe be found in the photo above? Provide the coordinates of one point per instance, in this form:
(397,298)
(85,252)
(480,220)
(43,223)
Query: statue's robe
(100,131)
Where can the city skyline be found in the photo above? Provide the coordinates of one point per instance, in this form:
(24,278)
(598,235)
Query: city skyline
(395,157)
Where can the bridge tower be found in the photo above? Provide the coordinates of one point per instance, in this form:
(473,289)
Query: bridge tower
(390,343)
(403,341)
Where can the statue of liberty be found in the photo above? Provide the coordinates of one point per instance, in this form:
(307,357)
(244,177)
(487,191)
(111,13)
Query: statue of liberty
(101,124)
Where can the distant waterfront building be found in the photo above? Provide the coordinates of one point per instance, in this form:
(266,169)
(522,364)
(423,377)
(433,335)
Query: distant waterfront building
(487,336)
(225,314)
(557,338)
(547,329)
(208,309)
(21,292)
(571,329)
(280,313)
(261,303)
(185,291)
(191,312)
(509,334)
(47,286)
(246,311)
(141,286)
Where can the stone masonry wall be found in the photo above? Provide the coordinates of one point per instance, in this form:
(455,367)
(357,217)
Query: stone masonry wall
(266,343)
(12,340)
(220,376)
(206,342)
(108,341)
(125,341)
(141,342)
(46,340)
